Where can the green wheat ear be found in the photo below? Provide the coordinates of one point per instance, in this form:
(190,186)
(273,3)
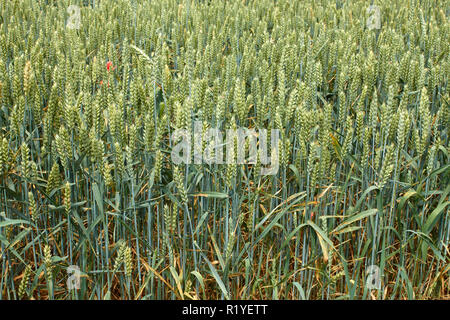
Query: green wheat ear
(33,206)
(128,260)
(67,198)
(54,178)
(48,263)
(120,257)
(4,155)
(24,282)
(178,178)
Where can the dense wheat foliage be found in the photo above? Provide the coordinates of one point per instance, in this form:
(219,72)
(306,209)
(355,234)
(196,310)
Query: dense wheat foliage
(87,179)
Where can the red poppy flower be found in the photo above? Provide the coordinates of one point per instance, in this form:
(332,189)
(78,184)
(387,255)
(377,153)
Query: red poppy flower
(108,65)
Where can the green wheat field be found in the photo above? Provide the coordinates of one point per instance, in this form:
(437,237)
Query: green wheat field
(92,205)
